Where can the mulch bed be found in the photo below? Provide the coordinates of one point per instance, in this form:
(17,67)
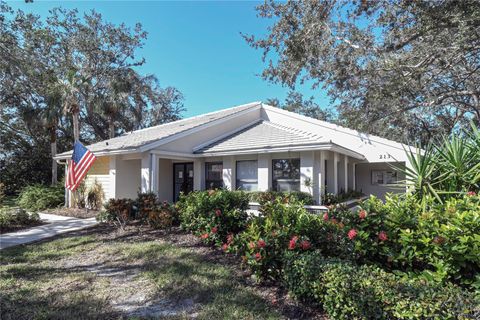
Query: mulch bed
(73,212)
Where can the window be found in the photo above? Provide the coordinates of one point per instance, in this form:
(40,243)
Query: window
(247,175)
(286,175)
(213,175)
(384,176)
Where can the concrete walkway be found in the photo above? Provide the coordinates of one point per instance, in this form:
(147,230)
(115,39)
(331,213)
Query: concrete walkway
(55,225)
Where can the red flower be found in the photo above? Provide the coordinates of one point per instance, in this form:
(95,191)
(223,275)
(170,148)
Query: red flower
(292,243)
(261,243)
(325,216)
(352,234)
(218,212)
(382,236)
(305,244)
(471,193)
(214,230)
(225,246)
(230,238)
(204,236)
(258,256)
(362,214)
(252,245)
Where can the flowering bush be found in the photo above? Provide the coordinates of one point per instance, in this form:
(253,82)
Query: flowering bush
(287,197)
(349,291)
(214,215)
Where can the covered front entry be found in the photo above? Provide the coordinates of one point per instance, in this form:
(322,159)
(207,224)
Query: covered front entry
(183,179)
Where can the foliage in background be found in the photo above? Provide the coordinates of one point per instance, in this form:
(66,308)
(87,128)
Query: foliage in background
(332,199)
(2,193)
(52,63)
(16,218)
(405,70)
(39,197)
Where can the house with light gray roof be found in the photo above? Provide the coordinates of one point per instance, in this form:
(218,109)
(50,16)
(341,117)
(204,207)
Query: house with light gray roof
(253,147)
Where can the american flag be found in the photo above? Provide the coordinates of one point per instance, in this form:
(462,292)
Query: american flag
(82,160)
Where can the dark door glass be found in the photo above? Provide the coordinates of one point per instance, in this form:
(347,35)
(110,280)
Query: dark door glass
(183,179)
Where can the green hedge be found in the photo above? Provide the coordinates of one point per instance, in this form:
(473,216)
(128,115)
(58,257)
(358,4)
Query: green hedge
(39,197)
(349,291)
(286,196)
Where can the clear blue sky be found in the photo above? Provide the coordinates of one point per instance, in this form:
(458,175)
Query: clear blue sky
(195,47)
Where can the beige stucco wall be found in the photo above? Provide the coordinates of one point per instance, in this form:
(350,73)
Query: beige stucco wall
(165,179)
(364,179)
(128,178)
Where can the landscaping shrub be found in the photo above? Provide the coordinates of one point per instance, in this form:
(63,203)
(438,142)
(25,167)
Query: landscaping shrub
(163,216)
(95,196)
(14,218)
(290,196)
(118,211)
(332,199)
(2,193)
(39,197)
(349,291)
(145,204)
(215,215)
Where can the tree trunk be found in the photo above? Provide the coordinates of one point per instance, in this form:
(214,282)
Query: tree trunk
(111,128)
(76,129)
(53,148)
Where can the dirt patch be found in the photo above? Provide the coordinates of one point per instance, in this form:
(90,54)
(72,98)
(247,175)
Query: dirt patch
(73,212)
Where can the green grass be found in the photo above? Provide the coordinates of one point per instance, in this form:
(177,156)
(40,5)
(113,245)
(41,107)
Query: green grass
(54,280)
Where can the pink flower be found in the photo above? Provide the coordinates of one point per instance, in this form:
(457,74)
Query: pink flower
(214,230)
(305,244)
(258,256)
(252,245)
(204,236)
(218,212)
(471,193)
(382,236)
(225,246)
(362,214)
(325,216)
(293,242)
(261,243)
(352,234)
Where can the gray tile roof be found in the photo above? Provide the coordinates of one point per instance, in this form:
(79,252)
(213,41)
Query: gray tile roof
(262,135)
(139,138)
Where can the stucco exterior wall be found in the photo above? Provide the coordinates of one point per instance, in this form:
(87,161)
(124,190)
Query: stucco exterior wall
(364,179)
(127,178)
(165,176)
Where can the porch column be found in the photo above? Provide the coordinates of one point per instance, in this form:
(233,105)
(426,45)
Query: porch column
(264,172)
(198,174)
(306,171)
(345,170)
(146,172)
(155,177)
(321,177)
(112,175)
(228,173)
(335,173)
(354,187)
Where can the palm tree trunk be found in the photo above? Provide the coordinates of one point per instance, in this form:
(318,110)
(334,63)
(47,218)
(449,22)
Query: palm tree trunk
(111,128)
(53,148)
(76,129)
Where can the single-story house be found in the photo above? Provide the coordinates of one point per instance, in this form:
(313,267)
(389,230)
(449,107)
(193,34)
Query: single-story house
(251,147)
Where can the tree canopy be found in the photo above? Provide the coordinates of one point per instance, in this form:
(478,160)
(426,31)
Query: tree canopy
(403,69)
(49,65)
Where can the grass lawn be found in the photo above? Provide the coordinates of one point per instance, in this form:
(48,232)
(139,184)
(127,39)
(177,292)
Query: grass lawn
(140,273)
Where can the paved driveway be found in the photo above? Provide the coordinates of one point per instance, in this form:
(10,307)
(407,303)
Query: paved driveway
(55,225)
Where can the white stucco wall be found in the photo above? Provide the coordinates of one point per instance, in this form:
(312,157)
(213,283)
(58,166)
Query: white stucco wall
(165,177)
(364,179)
(127,178)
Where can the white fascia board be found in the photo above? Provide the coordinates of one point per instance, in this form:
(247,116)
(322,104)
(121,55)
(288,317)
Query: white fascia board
(312,147)
(147,147)
(99,153)
(351,132)
(200,146)
(176,155)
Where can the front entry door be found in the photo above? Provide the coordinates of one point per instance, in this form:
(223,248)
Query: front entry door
(183,179)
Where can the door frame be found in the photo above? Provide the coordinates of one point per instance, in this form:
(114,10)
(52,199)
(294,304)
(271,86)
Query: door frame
(174,178)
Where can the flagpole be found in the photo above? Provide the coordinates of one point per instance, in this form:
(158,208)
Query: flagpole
(76,138)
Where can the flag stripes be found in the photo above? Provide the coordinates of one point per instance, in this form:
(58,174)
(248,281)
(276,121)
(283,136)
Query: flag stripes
(78,166)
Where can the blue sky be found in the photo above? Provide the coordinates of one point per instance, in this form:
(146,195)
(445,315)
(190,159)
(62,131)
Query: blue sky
(195,47)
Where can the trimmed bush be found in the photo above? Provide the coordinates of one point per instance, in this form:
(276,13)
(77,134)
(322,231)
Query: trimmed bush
(348,291)
(287,197)
(15,218)
(39,197)
(163,216)
(118,211)
(214,215)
